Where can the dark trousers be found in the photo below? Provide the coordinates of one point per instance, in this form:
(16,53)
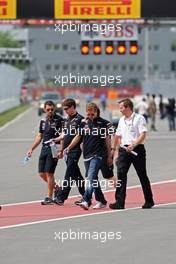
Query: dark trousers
(72,175)
(123,164)
(171,120)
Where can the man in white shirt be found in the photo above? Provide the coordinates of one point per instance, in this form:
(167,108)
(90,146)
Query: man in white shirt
(142,108)
(129,140)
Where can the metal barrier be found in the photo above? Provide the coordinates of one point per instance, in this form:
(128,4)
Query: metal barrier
(11,80)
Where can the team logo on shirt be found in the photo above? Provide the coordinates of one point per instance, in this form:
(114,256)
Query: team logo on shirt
(43,124)
(53,125)
(86,128)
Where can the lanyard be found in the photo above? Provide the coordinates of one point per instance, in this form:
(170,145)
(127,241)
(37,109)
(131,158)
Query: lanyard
(131,123)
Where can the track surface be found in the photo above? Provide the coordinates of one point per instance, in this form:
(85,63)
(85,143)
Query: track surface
(27,230)
(33,213)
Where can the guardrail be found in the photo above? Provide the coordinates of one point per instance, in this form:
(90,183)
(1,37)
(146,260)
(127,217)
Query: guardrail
(11,80)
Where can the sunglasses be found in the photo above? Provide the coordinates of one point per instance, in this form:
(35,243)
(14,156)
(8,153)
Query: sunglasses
(49,109)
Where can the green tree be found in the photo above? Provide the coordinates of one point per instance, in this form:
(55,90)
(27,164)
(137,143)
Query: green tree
(7,41)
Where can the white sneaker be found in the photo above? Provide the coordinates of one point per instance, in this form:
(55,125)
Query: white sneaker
(84,205)
(99,205)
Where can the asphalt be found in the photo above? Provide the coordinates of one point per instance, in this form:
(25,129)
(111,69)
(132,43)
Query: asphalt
(147,236)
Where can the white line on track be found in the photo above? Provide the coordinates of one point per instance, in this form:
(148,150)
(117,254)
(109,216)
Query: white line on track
(74,196)
(79,216)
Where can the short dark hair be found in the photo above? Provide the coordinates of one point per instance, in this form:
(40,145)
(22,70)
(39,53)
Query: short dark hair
(50,103)
(69,102)
(127,103)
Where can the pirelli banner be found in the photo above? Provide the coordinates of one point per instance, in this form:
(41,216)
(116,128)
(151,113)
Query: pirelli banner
(8,9)
(86,9)
(101,9)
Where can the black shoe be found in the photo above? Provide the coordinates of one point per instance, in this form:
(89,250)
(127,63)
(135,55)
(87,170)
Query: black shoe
(148,205)
(58,201)
(47,201)
(57,190)
(80,202)
(0,207)
(116,206)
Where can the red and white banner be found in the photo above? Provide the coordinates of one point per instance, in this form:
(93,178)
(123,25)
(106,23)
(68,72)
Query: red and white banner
(126,33)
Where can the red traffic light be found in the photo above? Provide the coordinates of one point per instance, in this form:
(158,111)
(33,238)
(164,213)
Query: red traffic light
(85,48)
(121,48)
(109,48)
(133,48)
(97,48)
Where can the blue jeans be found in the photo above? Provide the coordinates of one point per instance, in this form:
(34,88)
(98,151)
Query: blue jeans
(92,168)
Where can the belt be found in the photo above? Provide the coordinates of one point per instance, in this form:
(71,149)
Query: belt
(135,147)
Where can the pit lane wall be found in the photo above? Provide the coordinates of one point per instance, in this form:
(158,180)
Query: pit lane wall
(11,80)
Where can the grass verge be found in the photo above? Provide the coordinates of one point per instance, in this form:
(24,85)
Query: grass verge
(10,114)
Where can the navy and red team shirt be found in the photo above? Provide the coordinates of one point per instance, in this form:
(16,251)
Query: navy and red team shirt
(70,128)
(94,135)
(51,128)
